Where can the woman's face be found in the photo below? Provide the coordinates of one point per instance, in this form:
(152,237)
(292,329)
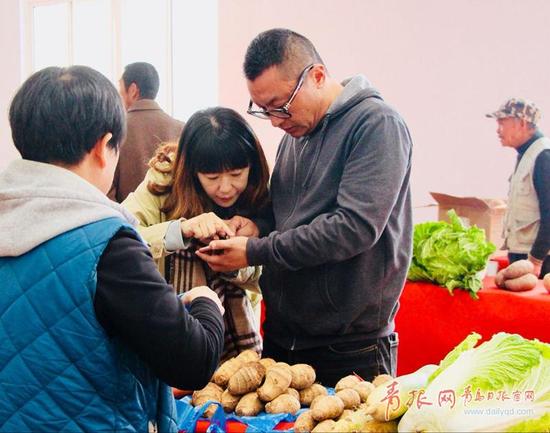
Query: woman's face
(225,188)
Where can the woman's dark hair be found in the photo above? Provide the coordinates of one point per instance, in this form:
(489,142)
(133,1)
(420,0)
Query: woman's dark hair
(59,114)
(213,141)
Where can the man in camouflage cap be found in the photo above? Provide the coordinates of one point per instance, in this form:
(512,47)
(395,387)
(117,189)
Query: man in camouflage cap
(527,221)
(518,108)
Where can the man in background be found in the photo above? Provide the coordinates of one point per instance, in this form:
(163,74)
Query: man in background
(148,126)
(338,253)
(527,221)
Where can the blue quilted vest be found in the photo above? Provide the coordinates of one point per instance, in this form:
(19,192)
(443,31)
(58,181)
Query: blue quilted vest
(59,371)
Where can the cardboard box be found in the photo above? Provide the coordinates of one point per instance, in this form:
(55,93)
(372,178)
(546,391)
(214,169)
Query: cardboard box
(485,213)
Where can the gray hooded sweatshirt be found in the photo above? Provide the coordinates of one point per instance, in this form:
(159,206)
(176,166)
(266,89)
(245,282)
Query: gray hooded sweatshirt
(40,201)
(336,262)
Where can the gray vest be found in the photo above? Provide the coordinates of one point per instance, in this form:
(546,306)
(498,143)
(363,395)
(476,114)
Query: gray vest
(522,220)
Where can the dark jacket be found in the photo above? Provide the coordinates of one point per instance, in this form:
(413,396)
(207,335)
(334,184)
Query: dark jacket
(74,373)
(92,335)
(338,258)
(148,126)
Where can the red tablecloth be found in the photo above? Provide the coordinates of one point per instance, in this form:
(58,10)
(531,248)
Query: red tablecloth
(431,322)
(501,259)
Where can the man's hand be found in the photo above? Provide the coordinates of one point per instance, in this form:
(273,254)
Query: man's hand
(243,226)
(205,227)
(202,292)
(232,257)
(537,264)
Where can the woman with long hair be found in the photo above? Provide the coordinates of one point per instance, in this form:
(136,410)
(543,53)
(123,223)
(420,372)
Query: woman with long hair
(217,171)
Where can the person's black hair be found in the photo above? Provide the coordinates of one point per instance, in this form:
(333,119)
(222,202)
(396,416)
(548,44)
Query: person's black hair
(217,139)
(278,47)
(59,114)
(145,76)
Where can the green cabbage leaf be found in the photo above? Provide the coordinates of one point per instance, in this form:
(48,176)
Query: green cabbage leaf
(449,254)
(496,371)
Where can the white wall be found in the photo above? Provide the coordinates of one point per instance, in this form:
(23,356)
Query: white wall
(195,37)
(10,53)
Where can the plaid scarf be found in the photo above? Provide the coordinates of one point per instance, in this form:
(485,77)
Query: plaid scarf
(184,270)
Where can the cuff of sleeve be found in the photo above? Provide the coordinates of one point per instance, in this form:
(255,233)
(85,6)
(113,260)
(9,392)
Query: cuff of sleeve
(202,303)
(173,239)
(535,260)
(257,251)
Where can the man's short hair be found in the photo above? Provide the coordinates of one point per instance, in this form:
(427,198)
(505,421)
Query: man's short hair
(145,76)
(277,47)
(59,114)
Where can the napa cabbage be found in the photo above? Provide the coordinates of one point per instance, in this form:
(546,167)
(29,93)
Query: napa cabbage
(486,381)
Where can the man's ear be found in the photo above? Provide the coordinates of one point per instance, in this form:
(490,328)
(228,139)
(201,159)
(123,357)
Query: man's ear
(525,126)
(319,75)
(133,91)
(100,149)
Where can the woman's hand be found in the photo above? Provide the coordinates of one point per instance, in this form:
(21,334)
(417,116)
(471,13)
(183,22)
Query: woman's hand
(243,226)
(225,255)
(205,227)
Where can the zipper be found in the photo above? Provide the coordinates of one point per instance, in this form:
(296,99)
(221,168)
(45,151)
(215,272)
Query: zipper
(316,154)
(296,162)
(295,180)
(308,174)
(303,184)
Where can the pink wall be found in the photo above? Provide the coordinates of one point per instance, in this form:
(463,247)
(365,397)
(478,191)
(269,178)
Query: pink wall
(442,64)
(11,73)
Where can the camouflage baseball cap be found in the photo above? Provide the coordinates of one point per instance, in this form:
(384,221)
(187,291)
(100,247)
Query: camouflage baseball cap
(518,107)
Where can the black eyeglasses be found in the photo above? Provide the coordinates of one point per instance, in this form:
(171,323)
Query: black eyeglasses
(282,112)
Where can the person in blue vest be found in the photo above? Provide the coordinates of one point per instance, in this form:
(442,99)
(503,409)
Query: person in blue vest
(527,220)
(92,335)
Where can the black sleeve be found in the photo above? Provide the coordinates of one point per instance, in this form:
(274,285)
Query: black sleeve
(134,303)
(541,179)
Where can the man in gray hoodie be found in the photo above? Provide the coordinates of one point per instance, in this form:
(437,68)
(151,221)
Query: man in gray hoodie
(337,252)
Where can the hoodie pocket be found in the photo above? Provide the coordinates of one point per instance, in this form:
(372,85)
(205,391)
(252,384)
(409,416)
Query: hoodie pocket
(306,303)
(271,283)
(324,287)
